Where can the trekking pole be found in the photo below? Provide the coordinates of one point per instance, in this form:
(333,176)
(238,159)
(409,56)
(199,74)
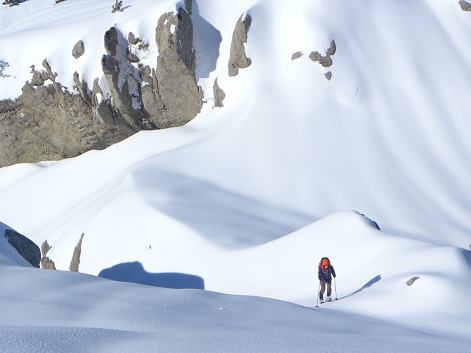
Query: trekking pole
(317,294)
(335,286)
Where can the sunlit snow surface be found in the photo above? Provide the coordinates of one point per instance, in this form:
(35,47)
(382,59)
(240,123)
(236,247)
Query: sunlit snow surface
(244,200)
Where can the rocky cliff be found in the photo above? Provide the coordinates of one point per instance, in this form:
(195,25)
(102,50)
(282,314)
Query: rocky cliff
(51,122)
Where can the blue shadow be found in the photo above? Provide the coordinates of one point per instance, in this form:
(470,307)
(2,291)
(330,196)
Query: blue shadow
(134,272)
(207,40)
(366,285)
(226,218)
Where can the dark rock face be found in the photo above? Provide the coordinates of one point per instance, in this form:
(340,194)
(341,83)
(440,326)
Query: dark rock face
(238,59)
(52,122)
(25,247)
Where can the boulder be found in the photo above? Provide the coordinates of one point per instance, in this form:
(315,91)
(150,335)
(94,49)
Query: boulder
(25,247)
(78,50)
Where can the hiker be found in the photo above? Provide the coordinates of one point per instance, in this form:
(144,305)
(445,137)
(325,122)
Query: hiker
(325,274)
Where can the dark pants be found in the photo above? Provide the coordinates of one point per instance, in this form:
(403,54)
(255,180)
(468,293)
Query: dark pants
(329,289)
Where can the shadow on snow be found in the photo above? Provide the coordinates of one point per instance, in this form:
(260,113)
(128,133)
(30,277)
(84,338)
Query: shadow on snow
(134,272)
(366,285)
(224,217)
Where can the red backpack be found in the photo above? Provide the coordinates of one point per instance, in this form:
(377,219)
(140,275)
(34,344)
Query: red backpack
(324,261)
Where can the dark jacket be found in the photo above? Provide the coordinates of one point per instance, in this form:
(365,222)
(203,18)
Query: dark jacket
(327,275)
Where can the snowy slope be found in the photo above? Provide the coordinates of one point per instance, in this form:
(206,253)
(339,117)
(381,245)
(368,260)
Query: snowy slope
(387,136)
(81,313)
(245,199)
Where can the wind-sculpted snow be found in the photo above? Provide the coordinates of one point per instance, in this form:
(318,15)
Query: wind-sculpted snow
(75,312)
(245,199)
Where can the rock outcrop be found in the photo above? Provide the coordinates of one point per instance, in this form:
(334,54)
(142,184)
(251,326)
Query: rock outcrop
(52,122)
(74,264)
(46,262)
(124,83)
(238,59)
(465,6)
(25,247)
(218,94)
(175,76)
(48,122)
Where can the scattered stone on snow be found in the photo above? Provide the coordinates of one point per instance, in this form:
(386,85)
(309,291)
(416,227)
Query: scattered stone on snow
(412,280)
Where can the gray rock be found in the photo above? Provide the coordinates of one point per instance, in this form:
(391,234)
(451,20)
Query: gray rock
(132,39)
(315,56)
(188,5)
(37,79)
(296,55)
(465,6)
(78,50)
(238,59)
(133,58)
(124,81)
(111,41)
(52,122)
(219,95)
(178,91)
(7,105)
(411,281)
(45,247)
(82,87)
(332,49)
(49,123)
(74,264)
(46,262)
(152,101)
(102,110)
(48,75)
(25,247)
(325,60)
